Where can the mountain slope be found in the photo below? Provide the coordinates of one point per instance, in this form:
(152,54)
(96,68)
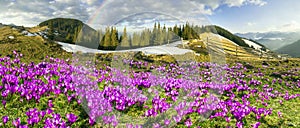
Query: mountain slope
(70,30)
(225,33)
(221,46)
(292,49)
(33,48)
(272,40)
(255,45)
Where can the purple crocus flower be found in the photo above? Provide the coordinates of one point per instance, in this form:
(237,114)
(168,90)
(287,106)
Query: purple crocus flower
(42,113)
(280,101)
(156,125)
(279,114)
(49,111)
(16,122)
(5,119)
(188,123)
(91,121)
(23,126)
(50,104)
(71,118)
(256,125)
(239,124)
(167,122)
(5,93)
(177,118)
(4,103)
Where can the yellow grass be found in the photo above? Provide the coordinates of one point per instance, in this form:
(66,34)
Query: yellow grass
(7,31)
(223,44)
(228,47)
(37,29)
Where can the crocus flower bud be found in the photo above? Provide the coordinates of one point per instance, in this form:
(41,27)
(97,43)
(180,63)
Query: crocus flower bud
(5,119)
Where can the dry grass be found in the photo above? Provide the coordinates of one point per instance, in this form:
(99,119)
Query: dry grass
(34,48)
(37,29)
(228,47)
(5,32)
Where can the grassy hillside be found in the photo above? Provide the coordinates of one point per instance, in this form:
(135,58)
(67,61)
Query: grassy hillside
(227,47)
(292,49)
(227,34)
(33,48)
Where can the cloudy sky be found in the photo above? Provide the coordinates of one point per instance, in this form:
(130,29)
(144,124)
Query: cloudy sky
(234,15)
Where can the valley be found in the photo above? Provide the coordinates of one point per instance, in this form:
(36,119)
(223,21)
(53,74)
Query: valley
(208,78)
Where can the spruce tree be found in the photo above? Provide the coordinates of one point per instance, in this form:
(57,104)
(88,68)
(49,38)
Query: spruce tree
(145,38)
(169,35)
(107,38)
(164,35)
(124,39)
(135,39)
(114,38)
(154,35)
(158,39)
(176,30)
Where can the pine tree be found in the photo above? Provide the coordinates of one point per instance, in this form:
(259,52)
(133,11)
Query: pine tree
(135,39)
(114,38)
(124,39)
(154,35)
(107,38)
(170,35)
(164,35)
(50,32)
(145,37)
(100,37)
(180,31)
(130,40)
(176,30)
(158,39)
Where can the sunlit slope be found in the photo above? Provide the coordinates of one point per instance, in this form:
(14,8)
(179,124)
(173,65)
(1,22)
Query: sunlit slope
(222,45)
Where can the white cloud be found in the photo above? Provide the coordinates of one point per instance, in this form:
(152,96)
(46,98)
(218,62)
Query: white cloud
(32,12)
(116,10)
(238,3)
(288,27)
(257,2)
(89,2)
(251,23)
(232,3)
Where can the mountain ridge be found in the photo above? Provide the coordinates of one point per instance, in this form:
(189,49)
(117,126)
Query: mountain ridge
(291,49)
(71,31)
(74,31)
(272,40)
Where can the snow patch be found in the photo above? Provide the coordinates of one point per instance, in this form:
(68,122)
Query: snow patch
(275,39)
(11,37)
(163,49)
(254,45)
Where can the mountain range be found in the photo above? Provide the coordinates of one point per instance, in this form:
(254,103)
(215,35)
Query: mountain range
(75,31)
(291,49)
(272,40)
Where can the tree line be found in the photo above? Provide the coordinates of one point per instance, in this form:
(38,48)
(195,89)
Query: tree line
(74,31)
(158,35)
(110,39)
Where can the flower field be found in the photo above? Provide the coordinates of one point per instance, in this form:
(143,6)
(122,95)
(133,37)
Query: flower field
(65,93)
